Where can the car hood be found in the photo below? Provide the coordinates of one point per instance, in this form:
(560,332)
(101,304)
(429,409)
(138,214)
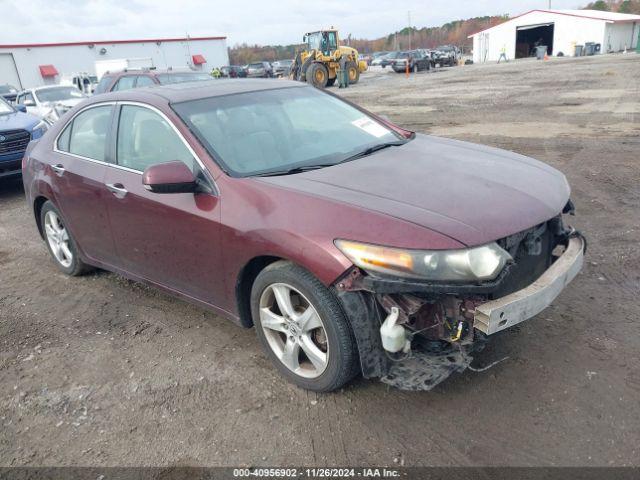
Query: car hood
(471,193)
(17,121)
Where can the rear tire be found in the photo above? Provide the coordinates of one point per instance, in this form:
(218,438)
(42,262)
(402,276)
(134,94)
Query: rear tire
(310,320)
(354,73)
(60,242)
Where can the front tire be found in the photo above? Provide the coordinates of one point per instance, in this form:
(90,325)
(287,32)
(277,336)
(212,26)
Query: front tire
(302,328)
(60,243)
(317,75)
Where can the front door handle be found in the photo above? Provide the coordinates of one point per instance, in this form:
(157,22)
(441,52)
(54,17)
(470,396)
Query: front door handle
(59,169)
(117,189)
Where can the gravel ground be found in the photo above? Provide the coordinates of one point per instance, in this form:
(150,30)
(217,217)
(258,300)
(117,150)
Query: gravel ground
(102,371)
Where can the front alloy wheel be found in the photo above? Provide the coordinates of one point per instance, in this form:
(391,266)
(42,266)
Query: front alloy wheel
(294,330)
(302,328)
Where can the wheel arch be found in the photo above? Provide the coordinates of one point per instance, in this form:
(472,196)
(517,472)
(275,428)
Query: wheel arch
(38,202)
(244,282)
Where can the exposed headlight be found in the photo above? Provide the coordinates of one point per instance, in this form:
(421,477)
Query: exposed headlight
(39,129)
(469,264)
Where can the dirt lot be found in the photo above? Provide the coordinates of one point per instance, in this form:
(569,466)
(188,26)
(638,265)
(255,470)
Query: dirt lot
(101,371)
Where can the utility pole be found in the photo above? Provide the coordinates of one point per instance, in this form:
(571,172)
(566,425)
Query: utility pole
(409,18)
(549,4)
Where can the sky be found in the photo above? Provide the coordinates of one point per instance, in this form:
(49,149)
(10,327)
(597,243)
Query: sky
(251,21)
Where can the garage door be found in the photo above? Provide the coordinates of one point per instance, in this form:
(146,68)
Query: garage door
(8,71)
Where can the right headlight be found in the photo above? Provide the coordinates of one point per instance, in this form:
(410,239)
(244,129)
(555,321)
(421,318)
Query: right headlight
(470,264)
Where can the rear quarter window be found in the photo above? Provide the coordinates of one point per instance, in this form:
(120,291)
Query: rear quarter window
(63,139)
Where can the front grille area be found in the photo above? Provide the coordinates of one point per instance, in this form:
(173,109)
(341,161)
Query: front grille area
(14,141)
(532,254)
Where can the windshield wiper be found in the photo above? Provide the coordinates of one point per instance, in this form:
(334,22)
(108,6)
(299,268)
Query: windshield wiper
(291,171)
(306,168)
(373,149)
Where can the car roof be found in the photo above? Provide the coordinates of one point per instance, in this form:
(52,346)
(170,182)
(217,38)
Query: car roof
(183,92)
(148,71)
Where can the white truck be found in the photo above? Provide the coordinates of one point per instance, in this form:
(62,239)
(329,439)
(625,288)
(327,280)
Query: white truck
(118,64)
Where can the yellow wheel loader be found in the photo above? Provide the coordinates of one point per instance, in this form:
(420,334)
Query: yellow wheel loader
(318,63)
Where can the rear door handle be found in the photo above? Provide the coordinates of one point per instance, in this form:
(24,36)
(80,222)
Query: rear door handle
(59,169)
(117,189)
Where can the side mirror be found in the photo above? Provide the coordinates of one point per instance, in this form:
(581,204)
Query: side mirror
(169,177)
(21,108)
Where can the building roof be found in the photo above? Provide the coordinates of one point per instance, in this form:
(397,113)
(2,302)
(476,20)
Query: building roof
(610,17)
(111,42)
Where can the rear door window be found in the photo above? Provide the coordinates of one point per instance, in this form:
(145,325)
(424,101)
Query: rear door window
(88,133)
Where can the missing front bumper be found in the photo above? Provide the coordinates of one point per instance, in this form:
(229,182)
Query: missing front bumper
(496,315)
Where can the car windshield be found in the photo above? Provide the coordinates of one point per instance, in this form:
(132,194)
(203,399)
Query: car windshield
(167,78)
(58,94)
(256,65)
(7,89)
(5,107)
(278,130)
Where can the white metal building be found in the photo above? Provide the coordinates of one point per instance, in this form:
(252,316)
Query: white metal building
(559,30)
(32,65)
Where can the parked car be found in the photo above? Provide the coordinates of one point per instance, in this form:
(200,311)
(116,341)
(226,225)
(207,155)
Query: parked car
(376,57)
(127,79)
(17,129)
(446,55)
(259,70)
(281,68)
(50,102)
(84,82)
(386,60)
(415,59)
(366,57)
(233,71)
(8,92)
(351,244)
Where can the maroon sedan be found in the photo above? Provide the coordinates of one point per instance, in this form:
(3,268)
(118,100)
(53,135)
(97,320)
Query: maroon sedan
(351,244)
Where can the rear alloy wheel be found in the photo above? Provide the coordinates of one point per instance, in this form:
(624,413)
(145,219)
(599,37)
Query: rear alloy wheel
(317,75)
(302,328)
(354,73)
(60,243)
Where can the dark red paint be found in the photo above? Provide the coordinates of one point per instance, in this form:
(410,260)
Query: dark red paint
(167,173)
(431,193)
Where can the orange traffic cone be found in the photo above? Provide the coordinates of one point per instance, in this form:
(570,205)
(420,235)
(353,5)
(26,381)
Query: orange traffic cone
(546,56)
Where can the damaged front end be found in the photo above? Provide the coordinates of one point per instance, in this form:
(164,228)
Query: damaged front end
(413,334)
